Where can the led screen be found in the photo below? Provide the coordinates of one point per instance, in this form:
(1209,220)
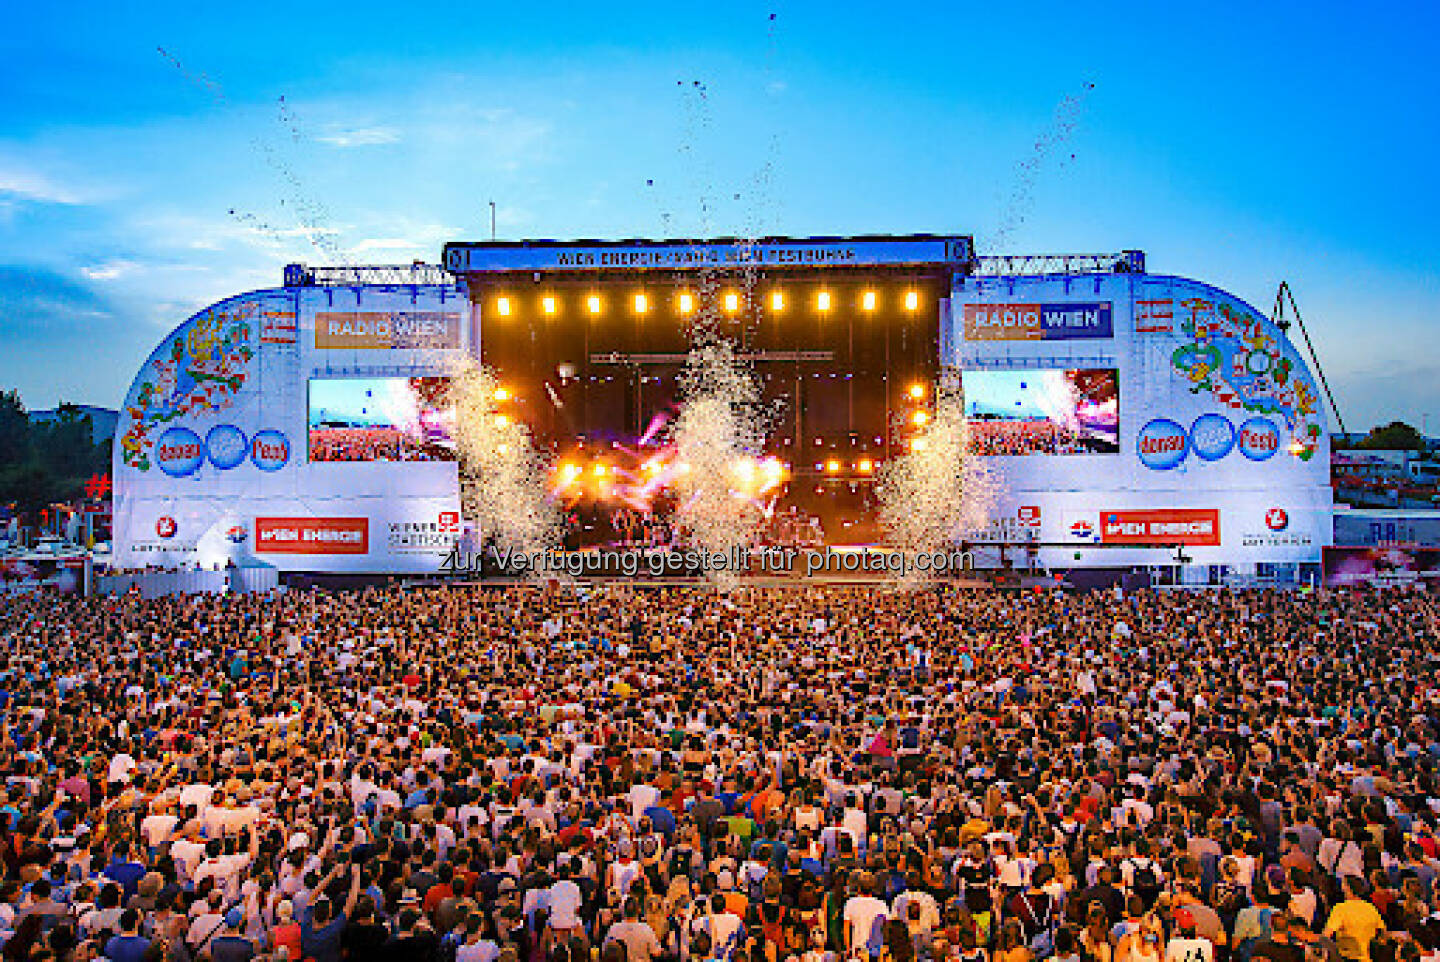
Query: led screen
(380,419)
(1018,413)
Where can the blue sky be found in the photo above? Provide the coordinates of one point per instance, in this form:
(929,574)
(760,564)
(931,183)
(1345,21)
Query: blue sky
(148,164)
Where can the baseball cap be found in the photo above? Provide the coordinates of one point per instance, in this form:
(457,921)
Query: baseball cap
(1185,918)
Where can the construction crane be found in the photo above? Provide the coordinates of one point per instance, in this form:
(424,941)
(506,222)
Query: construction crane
(1285,297)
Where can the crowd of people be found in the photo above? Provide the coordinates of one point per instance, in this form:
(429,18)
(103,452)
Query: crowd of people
(1024,437)
(374,444)
(562,774)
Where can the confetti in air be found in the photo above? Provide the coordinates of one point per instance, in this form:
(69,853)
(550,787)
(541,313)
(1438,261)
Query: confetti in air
(1063,124)
(938,489)
(717,437)
(502,474)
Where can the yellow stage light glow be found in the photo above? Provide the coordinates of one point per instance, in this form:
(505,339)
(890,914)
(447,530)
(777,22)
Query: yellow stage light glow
(547,304)
(920,417)
(777,301)
(501,394)
(641,304)
(822,300)
(598,470)
(912,300)
(687,303)
(502,306)
(832,466)
(917,392)
(732,302)
(867,300)
(865,466)
(917,444)
(593,303)
(501,421)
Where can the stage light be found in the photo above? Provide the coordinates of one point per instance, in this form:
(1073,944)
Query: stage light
(641,304)
(593,303)
(919,418)
(732,302)
(547,304)
(502,306)
(867,301)
(598,470)
(917,444)
(652,466)
(777,301)
(832,466)
(917,392)
(865,466)
(912,300)
(501,421)
(687,303)
(501,394)
(822,300)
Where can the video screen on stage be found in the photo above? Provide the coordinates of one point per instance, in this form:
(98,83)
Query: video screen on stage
(380,419)
(1039,411)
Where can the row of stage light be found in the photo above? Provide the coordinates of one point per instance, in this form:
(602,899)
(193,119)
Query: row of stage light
(685,303)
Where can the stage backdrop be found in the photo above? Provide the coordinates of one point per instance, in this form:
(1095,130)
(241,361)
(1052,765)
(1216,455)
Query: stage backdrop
(1208,431)
(213,452)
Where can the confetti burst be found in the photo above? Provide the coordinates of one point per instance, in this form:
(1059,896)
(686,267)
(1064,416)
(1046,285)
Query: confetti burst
(938,489)
(502,473)
(721,424)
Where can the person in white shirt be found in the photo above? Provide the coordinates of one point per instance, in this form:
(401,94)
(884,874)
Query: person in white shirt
(864,919)
(565,900)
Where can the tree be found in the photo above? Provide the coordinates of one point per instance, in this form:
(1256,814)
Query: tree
(14,430)
(1395,436)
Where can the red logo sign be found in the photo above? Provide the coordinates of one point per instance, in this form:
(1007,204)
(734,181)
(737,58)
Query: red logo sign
(1276,519)
(449,521)
(1082,529)
(1164,526)
(166,527)
(1028,514)
(312,535)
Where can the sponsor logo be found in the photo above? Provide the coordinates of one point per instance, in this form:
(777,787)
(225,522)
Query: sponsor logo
(226,447)
(278,327)
(1082,529)
(179,452)
(387,330)
(1163,526)
(1162,444)
(1155,316)
(1212,437)
(443,532)
(165,527)
(312,535)
(1028,515)
(1276,519)
(269,450)
(1259,439)
(1037,322)
(237,534)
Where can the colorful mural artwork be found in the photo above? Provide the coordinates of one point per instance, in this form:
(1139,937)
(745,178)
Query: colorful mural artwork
(200,369)
(1236,358)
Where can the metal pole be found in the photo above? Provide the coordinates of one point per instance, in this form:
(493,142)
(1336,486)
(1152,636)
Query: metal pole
(492,220)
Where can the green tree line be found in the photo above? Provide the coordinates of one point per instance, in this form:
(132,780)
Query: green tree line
(42,462)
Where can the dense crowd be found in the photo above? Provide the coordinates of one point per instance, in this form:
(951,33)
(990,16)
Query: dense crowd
(374,444)
(551,774)
(1020,438)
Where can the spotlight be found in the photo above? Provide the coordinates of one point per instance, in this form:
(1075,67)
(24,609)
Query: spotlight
(501,421)
(570,471)
(822,301)
(598,470)
(687,303)
(865,466)
(832,466)
(917,392)
(920,417)
(501,394)
(912,300)
(732,302)
(502,306)
(547,304)
(641,304)
(867,301)
(777,301)
(917,444)
(593,303)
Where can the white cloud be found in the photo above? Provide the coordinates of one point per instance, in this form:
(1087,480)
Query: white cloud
(360,136)
(35,186)
(109,270)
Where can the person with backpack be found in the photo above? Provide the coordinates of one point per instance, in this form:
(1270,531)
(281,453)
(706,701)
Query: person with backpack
(1141,874)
